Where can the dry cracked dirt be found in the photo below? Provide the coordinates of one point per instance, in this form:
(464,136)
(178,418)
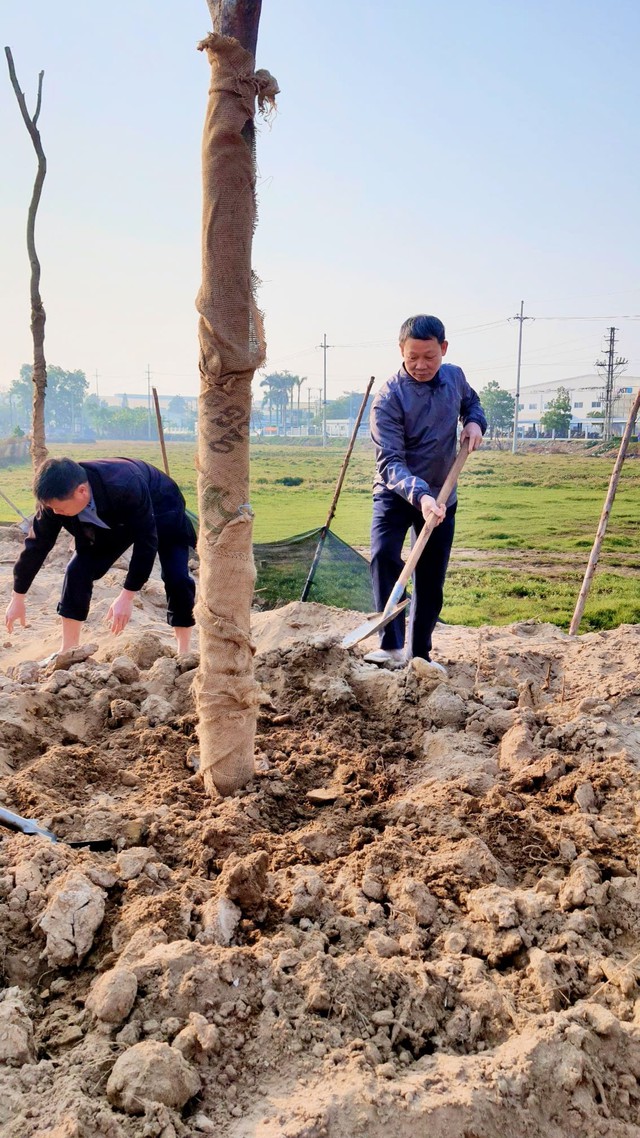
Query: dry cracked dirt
(421,917)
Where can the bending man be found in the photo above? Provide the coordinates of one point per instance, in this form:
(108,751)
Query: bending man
(414,421)
(108,505)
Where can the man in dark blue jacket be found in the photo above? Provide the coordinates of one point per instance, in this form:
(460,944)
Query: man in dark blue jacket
(414,421)
(108,505)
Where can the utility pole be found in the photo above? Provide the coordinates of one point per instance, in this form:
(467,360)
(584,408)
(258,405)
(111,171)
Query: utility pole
(325,348)
(149,401)
(521,319)
(97,388)
(610,367)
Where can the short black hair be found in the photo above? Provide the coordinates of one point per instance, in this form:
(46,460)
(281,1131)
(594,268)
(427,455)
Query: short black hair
(57,478)
(422,328)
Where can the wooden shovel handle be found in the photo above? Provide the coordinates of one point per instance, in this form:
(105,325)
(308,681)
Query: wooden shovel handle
(428,527)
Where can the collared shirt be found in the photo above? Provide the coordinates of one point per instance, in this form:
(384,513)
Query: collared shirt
(414,427)
(89,514)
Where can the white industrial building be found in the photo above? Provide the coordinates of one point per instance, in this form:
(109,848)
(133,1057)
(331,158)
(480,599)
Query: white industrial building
(587,404)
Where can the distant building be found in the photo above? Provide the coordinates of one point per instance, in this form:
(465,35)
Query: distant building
(338,428)
(587,403)
(177,410)
(343,428)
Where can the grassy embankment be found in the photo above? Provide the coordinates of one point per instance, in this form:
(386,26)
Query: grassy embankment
(525,523)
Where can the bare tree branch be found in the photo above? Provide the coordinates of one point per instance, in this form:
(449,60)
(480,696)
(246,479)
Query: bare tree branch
(36,115)
(38,315)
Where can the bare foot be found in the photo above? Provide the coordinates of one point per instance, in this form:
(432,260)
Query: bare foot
(183,639)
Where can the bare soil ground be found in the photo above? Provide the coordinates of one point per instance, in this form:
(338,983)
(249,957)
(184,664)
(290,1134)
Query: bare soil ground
(422,916)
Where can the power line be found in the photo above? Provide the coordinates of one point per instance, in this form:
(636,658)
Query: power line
(471,329)
(477,327)
(269,363)
(394,343)
(549,363)
(634,317)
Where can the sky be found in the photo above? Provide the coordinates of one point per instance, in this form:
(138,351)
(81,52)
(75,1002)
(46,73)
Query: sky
(453,159)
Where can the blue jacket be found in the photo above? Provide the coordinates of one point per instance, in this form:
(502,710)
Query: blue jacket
(414,428)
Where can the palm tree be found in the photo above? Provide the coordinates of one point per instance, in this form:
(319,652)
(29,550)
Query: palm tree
(280,385)
(298,381)
(288,386)
(268,395)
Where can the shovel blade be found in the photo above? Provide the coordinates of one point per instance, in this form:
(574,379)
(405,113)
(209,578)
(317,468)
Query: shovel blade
(32,829)
(98,844)
(374,624)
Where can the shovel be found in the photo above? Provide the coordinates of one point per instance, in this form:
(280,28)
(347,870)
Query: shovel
(28,826)
(395,605)
(25,524)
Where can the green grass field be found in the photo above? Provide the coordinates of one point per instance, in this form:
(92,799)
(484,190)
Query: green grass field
(524,530)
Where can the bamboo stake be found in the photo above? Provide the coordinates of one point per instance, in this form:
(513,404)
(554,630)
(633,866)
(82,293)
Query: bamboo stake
(336,494)
(160,430)
(604,518)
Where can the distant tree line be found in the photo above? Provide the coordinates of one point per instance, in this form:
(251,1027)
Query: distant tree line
(283,409)
(70,413)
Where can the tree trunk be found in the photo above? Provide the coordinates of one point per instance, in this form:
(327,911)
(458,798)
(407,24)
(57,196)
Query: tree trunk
(38,316)
(231,348)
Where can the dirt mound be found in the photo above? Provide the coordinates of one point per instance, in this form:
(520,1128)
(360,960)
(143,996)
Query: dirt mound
(423,913)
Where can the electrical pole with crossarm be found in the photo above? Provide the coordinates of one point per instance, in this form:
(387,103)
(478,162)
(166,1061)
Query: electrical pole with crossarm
(325,348)
(521,319)
(610,367)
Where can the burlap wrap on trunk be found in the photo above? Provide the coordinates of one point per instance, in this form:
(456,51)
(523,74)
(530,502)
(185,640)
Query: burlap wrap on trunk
(231,348)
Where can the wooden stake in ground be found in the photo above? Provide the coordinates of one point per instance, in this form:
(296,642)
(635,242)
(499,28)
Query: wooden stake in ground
(163,448)
(231,348)
(38,315)
(604,518)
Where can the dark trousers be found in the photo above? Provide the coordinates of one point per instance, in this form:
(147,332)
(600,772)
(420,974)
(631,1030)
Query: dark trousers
(86,567)
(393,516)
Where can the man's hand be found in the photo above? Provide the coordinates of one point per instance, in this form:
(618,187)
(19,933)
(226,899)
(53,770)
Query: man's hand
(431,509)
(16,611)
(473,433)
(119,614)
